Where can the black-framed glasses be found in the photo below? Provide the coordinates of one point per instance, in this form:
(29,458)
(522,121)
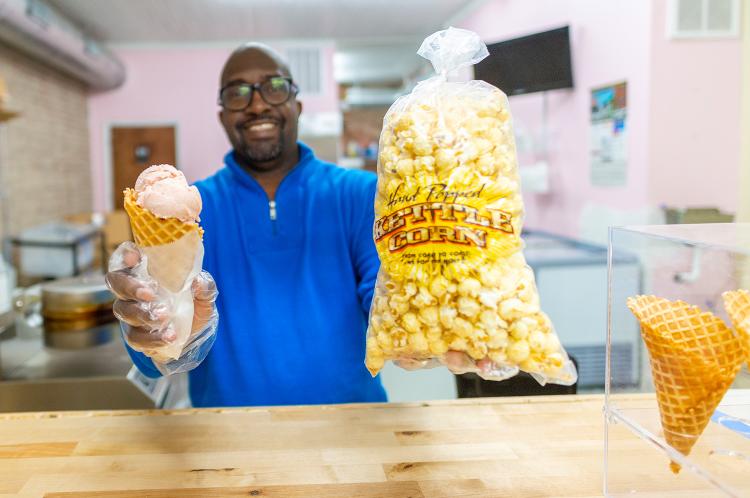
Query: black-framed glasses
(274,91)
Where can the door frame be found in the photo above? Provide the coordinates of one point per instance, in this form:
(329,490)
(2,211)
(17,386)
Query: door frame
(109,167)
(743,210)
(743,203)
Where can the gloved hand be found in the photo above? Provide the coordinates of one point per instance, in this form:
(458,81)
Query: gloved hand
(146,311)
(457,362)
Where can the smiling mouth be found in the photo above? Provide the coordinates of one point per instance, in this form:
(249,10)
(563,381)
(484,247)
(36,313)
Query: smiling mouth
(261,128)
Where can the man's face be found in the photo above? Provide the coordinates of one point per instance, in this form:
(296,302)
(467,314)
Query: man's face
(263,135)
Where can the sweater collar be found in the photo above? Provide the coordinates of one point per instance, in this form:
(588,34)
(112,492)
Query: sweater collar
(306,157)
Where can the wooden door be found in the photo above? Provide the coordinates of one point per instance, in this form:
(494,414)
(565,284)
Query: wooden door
(135,149)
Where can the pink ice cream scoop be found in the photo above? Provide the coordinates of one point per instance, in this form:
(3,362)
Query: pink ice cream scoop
(164,191)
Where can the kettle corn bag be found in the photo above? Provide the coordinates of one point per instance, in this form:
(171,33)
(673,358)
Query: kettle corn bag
(448,218)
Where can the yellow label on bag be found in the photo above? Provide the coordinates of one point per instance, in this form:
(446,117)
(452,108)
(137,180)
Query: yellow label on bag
(439,225)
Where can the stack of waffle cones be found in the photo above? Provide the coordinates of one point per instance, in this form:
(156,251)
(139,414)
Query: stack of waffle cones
(694,359)
(178,243)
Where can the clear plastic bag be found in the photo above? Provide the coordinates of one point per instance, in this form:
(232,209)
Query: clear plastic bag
(454,287)
(175,320)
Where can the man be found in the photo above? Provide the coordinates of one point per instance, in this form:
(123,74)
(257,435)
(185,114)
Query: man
(288,239)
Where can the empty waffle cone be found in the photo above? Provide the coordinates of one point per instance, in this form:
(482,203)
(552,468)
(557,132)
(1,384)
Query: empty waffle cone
(171,245)
(737,304)
(694,359)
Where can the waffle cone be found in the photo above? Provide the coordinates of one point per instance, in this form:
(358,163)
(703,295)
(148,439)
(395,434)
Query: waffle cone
(171,246)
(694,359)
(737,304)
(150,230)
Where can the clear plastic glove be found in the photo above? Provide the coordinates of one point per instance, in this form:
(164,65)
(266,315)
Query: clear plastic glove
(147,312)
(458,363)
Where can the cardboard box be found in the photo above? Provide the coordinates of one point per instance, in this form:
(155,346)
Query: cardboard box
(116,230)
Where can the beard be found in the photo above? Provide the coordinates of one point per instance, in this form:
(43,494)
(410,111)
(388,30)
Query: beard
(263,152)
(259,155)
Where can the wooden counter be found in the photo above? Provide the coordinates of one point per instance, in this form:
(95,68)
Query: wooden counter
(514,447)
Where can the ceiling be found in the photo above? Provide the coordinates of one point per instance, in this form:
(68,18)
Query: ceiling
(377,63)
(196,21)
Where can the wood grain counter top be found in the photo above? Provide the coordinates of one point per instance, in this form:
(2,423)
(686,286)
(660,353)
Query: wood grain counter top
(489,447)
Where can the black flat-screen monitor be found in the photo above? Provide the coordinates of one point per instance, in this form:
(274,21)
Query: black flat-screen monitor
(532,63)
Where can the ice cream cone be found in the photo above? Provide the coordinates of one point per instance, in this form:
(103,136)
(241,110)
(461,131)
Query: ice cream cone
(737,304)
(150,230)
(694,359)
(171,245)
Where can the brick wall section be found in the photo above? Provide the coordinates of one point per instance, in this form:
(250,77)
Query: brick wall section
(44,153)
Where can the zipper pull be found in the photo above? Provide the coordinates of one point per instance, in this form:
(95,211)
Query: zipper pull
(272,215)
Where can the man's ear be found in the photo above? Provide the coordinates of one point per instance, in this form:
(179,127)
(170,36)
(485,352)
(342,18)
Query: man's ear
(299,108)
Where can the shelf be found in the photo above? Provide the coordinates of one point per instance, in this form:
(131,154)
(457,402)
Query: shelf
(718,463)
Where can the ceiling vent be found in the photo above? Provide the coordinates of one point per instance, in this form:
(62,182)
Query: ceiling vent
(690,19)
(306,65)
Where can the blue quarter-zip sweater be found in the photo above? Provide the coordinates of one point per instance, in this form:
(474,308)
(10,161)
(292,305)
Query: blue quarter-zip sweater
(295,279)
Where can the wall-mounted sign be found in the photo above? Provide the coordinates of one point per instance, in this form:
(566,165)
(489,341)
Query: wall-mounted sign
(608,136)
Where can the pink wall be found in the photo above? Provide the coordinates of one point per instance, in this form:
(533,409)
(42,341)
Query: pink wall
(175,86)
(695,119)
(610,43)
(683,107)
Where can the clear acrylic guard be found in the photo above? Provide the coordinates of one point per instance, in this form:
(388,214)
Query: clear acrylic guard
(695,264)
